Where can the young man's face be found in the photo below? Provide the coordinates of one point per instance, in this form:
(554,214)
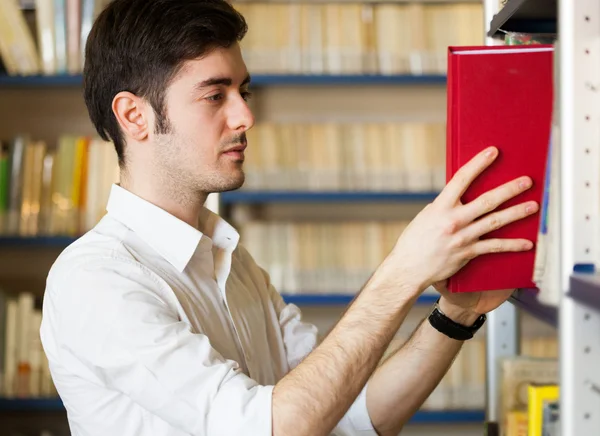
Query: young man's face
(208,115)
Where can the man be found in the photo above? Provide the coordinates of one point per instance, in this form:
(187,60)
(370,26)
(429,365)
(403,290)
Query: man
(157,322)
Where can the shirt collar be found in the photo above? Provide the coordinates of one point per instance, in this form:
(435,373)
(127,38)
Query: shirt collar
(172,238)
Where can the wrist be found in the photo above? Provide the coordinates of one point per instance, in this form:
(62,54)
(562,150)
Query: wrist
(458,314)
(393,272)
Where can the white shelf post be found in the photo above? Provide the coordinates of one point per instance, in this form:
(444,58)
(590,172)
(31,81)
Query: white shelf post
(579,94)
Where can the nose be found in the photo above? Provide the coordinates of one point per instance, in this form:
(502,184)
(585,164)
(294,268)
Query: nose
(240,116)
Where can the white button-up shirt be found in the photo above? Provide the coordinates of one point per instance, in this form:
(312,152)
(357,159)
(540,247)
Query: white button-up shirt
(154,328)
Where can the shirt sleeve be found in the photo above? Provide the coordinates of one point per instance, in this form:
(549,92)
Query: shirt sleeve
(121,322)
(300,338)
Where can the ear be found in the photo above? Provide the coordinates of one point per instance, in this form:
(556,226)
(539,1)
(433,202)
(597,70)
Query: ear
(132,115)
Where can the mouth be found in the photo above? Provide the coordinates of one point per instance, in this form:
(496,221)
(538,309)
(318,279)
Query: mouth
(236,152)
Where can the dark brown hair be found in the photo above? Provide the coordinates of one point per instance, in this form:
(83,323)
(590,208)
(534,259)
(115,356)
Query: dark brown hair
(140,45)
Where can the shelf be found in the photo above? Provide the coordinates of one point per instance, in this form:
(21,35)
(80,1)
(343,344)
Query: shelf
(526,299)
(585,288)
(37,241)
(422,417)
(31,405)
(528,16)
(257,80)
(322,197)
(339,299)
(448,417)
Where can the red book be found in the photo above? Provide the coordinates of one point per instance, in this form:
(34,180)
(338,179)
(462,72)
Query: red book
(500,96)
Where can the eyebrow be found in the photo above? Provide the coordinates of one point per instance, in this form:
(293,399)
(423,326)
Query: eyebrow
(226,81)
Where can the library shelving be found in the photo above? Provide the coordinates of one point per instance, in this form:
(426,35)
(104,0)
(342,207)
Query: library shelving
(425,85)
(527,16)
(257,80)
(526,299)
(573,297)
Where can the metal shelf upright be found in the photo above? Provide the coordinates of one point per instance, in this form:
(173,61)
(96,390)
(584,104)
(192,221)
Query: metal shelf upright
(577,314)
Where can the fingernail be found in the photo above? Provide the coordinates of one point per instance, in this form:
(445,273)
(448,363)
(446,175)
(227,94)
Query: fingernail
(528,245)
(531,208)
(490,152)
(525,183)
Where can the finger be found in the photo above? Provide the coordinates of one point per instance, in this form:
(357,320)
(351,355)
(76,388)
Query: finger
(490,200)
(499,219)
(466,174)
(488,246)
(441,286)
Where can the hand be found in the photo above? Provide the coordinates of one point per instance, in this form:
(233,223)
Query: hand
(444,236)
(468,306)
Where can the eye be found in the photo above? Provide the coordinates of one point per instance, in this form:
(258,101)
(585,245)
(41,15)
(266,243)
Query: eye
(215,97)
(246,95)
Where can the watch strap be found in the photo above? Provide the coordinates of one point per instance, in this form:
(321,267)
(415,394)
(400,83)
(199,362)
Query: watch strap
(452,329)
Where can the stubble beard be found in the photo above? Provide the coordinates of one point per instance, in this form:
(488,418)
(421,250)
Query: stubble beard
(188,185)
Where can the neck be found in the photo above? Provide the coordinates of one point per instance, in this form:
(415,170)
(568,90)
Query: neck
(171,197)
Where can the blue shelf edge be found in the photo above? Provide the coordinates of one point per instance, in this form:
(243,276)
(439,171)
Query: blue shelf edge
(36,241)
(257,80)
(526,299)
(31,404)
(421,417)
(238,197)
(339,299)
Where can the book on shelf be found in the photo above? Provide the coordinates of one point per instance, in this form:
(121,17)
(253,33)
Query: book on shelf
(517,374)
(283,38)
(320,257)
(54,191)
(542,410)
(394,157)
(547,259)
(501,96)
(354,38)
(24,370)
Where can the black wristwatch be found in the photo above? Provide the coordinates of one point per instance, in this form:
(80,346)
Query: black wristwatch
(452,329)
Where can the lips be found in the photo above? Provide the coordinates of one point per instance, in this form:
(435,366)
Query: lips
(236,153)
(237,149)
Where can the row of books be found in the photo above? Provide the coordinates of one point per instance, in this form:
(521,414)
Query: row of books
(408,157)
(50,40)
(55,191)
(355,38)
(320,257)
(529,396)
(298,37)
(24,371)
(62,190)
(463,386)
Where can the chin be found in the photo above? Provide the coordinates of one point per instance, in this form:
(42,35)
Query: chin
(231,183)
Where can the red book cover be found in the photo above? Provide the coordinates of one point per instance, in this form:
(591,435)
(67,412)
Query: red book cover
(500,96)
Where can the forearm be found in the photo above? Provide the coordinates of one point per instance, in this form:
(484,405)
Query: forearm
(402,384)
(313,397)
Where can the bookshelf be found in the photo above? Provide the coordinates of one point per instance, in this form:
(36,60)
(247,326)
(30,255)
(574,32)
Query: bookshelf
(410,95)
(527,16)
(570,299)
(526,299)
(585,289)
